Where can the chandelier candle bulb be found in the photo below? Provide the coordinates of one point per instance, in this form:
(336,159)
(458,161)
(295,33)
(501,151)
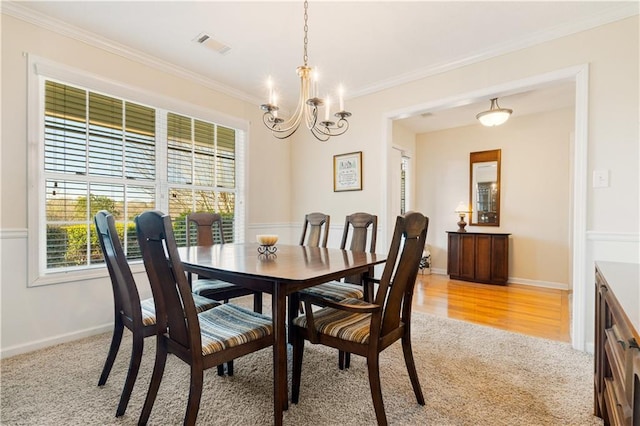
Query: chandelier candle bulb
(327,109)
(341,98)
(271,95)
(315,84)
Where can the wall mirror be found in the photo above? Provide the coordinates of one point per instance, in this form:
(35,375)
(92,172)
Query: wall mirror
(484,187)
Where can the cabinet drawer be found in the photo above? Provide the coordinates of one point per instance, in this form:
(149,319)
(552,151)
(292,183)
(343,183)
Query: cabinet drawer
(614,410)
(616,383)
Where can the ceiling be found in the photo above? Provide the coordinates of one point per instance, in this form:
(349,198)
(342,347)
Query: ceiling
(365,46)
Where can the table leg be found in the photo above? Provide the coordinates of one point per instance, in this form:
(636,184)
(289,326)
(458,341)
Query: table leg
(280,391)
(293,311)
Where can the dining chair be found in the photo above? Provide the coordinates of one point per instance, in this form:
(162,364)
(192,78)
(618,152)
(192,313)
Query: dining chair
(137,315)
(317,226)
(203,226)
(358,225)
(315,233)
(202,340)
(366,329)
(352,286)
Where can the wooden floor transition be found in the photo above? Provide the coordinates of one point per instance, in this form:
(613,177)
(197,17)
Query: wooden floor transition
(535,311)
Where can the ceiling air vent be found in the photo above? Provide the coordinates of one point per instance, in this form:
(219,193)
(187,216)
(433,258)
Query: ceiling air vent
(207,41)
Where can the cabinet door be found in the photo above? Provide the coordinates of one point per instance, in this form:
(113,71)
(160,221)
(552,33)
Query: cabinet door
(483,258)
(453,255)
(500,258)
(467,256)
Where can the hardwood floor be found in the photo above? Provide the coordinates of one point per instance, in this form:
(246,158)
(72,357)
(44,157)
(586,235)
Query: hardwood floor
(535,311)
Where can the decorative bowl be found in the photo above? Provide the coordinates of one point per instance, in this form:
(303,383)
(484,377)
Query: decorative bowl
(266,240)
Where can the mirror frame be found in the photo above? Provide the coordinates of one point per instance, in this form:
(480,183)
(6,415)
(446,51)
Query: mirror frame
(483,157)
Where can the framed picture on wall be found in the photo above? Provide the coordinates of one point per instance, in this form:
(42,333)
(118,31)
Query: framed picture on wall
(347,172)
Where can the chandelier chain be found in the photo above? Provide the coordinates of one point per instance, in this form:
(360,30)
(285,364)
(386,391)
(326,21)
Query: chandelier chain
(306,29)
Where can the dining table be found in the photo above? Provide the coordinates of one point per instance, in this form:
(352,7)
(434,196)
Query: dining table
(281,271)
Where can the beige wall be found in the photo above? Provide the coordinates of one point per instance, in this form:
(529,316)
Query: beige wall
(287,179)
(38,316)
(535,190)
(610,51)
(611,54)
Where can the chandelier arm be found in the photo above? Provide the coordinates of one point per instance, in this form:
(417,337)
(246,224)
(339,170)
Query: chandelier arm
(333,129)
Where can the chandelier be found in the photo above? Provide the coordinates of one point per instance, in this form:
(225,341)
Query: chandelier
(309,105)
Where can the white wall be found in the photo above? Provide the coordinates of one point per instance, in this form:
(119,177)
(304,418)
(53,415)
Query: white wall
(535,190)
(40,316)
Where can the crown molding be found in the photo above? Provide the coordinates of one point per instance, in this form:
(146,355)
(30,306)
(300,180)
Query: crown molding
(12,8)
(624,11)
(18,11)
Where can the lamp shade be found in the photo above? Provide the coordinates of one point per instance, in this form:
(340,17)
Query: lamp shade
(495,116)
(462,207)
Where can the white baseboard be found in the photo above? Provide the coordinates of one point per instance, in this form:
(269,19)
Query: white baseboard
(52,341)
(537,283)
(514,280)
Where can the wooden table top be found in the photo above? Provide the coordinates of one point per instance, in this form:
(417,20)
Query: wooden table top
(288,263)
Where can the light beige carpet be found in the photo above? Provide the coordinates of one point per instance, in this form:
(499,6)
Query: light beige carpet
(470,375)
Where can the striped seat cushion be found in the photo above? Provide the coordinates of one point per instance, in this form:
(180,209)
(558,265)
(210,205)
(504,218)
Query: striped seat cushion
(336,291)
(200,286)
(350,326)
(229,325)
(149,308)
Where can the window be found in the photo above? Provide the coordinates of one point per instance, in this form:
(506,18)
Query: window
(97,151)
(404,167)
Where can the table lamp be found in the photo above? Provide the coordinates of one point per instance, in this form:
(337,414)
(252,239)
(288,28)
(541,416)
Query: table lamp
(462,210)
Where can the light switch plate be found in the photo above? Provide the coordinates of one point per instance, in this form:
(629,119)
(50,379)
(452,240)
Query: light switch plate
(601,178)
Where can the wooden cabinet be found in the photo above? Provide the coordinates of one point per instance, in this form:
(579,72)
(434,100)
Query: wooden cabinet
(617,355)
(478,256)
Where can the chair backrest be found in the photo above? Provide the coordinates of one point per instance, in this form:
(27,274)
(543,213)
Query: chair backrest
(205,224)
(358,224)
(175,308)
(125,293)
(317,224)
(401,269)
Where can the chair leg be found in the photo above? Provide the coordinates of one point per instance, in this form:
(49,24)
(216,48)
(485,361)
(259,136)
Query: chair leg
(195,394)
(118,328)
(376,390)
(296,373)
(411,369)
(132,374)
(156,378)
(344,360)
(230,368)
(221,370)
(257,302)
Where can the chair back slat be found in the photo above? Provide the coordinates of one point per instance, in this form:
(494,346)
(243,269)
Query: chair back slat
(401,269)
(358,224)
(171,292)
(317,226)
(125,293)
(205,225)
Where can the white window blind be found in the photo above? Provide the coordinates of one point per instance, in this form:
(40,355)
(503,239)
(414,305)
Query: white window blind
(104,152)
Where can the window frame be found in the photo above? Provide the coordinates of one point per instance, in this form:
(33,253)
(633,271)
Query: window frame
(41,69)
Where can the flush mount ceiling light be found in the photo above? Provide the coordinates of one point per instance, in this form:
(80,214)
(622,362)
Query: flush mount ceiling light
(308,107)
(495,116)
